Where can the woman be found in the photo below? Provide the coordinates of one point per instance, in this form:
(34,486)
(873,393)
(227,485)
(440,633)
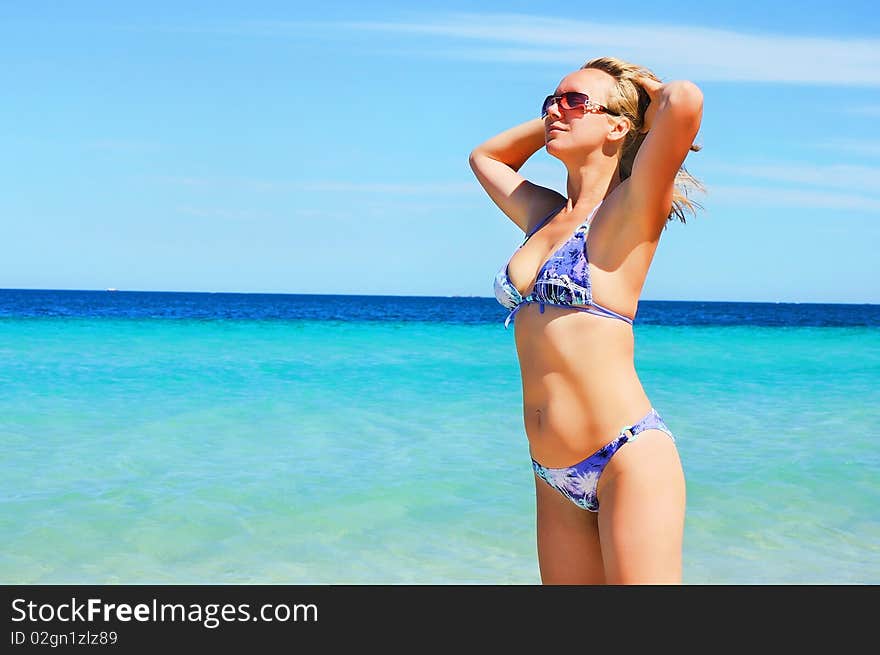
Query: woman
(610,509)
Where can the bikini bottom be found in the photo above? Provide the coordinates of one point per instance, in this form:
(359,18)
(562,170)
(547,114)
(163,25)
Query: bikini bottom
(578,482)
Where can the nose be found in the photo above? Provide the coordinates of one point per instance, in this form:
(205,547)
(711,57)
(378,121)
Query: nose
(553,109)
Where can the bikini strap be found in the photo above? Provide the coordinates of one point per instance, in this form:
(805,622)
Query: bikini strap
(546,218)
(589,220)
(652,420)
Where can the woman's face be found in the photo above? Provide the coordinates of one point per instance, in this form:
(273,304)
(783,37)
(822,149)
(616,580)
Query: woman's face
(574,133)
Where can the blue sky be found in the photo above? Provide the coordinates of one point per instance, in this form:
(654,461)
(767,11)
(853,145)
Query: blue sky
(288,147)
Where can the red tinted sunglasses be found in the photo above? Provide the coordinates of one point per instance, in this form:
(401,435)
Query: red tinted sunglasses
(572,100)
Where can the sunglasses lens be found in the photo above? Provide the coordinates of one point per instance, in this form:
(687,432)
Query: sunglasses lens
(571,100)
(568,100)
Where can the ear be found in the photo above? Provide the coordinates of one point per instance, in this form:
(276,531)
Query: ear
(620,128)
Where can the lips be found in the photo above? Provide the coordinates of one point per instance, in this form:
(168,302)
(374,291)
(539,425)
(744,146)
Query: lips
(554,128)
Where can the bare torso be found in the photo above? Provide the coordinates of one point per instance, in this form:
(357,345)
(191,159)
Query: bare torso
(579,381)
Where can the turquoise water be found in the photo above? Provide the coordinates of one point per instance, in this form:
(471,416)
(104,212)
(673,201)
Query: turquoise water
(313,452)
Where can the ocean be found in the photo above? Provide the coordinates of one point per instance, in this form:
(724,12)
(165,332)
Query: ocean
(222,438)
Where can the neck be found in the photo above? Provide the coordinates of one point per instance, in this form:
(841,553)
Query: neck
(589,182)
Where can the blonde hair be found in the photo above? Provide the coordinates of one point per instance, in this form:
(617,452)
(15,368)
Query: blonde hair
(629,99)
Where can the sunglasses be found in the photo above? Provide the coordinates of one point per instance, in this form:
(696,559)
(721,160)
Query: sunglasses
(572,100)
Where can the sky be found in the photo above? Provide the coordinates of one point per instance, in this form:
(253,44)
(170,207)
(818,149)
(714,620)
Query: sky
(291,147)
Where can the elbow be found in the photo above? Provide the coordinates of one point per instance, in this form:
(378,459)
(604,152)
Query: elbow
(476,157)
(475,154)
(687,94)
(472,160)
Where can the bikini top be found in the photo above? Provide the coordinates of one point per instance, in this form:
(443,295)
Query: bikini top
(564,279)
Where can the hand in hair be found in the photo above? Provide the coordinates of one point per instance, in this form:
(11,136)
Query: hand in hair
(653,88)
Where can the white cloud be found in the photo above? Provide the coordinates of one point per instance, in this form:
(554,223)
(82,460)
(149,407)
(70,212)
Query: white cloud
(852,146)
(225,214)
(732,195)
(123,145)
(872,111)
(694,52)
(836,176)
(387,188)
(325,186)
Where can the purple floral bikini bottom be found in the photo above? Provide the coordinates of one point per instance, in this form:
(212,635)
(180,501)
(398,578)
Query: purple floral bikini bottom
(578,483)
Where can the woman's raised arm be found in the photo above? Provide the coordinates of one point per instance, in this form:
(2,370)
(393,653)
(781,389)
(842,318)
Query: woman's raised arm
(495,163)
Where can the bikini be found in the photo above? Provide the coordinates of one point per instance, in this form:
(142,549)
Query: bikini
(564,281)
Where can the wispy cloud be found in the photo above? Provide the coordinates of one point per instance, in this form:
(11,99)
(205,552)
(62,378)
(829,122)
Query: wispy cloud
(679,50)
(225,214)
(851,146)
(797,198)
(872,111)
(123,145)
(407,189)
(701,53)
(323,186)
(835,176)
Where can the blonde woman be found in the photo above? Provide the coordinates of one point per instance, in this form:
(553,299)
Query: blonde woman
(610,509)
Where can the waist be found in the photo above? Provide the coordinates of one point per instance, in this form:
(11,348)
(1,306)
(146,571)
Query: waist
(560,433)
(592,379)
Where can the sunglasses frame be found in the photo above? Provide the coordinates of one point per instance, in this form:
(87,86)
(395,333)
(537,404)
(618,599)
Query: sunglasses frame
(586,104)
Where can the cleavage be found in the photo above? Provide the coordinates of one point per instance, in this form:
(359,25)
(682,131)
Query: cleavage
(568,234)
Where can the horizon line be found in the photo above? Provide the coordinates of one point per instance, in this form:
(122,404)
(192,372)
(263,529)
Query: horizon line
(387,295)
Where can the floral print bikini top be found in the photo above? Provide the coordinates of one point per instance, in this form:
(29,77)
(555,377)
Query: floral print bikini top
(563,280)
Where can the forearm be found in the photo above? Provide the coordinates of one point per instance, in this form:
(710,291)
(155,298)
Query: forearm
(515,145)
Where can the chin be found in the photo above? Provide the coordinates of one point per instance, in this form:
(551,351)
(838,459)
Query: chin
(551,146)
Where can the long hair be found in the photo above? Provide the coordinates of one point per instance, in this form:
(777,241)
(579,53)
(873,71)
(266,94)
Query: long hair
(629,99)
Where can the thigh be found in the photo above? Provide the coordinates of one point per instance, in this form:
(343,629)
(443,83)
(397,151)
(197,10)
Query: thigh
(568,540)
(641,512)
